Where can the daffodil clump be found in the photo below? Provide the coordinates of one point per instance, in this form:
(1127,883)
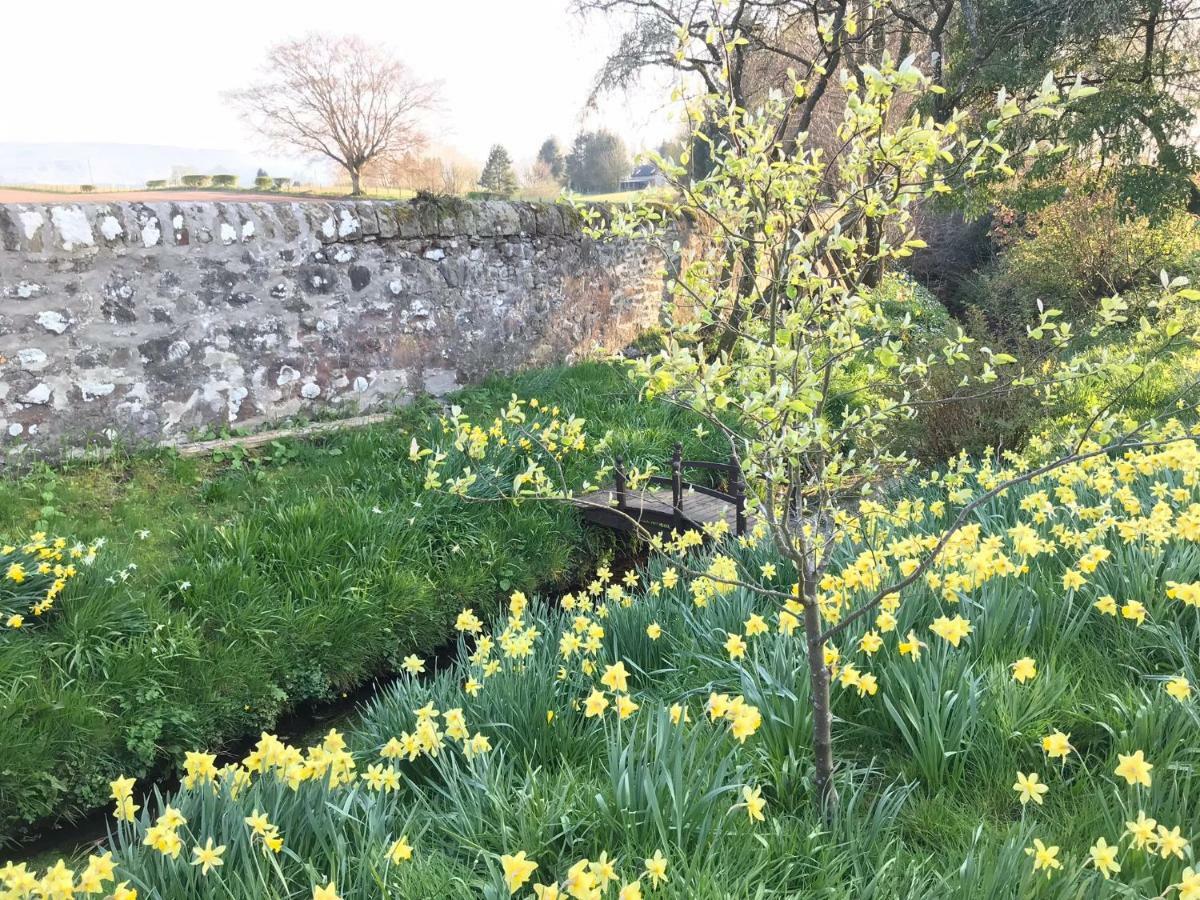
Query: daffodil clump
(34,575)
(644,735)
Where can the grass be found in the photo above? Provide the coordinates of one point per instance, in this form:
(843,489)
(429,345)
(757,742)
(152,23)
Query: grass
(262,585)
(925,805)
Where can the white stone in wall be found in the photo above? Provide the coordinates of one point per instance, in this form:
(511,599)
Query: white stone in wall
(32,359)
(435,254)
(286,376)
(310,391)
(93,389)
(15,429)
(52,320)
(37,396)
(73,227)
(247,230)
(236,396)
(329,227)
(228,233)
(151,232)
(361,384)
(348,225)
(31,222)
(110,228)
(178,350)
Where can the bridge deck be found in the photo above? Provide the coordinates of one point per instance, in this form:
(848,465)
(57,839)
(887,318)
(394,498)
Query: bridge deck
(652,510)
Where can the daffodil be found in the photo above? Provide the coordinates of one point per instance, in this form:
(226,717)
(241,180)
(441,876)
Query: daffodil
(1030,787)
(1103,856)
(1024,669)
(1134,768)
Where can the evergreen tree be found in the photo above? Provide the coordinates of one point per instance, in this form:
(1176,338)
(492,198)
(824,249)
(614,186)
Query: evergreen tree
(597,162)
(552,158)
(498,176)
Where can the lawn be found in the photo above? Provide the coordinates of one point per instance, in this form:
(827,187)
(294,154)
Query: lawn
(228,592)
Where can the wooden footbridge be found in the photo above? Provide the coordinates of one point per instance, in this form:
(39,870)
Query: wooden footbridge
(669,504)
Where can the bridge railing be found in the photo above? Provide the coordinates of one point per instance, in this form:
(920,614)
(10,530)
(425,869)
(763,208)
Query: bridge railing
(732,470)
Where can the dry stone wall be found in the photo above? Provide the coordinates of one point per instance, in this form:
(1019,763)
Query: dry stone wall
(147,322)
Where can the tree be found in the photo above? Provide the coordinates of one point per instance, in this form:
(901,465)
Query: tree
(550,156)
(340,97)
(498,176)
(597,162)
(1140,55)
(816,379)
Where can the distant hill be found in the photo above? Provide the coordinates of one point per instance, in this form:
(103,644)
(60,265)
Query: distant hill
(133,165)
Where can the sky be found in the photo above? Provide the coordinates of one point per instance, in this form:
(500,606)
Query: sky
(141,72)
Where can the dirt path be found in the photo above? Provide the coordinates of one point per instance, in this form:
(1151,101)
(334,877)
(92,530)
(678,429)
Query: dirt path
(16,195)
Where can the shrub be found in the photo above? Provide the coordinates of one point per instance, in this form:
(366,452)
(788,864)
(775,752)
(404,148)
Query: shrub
(195,180)
(226,181)
(156,184)
(280,183)
(87,188)
(1076,250)
(264,182)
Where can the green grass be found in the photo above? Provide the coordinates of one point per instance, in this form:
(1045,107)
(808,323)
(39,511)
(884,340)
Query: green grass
(260,588)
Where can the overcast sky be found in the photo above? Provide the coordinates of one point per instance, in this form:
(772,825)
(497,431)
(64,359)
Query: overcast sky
(150,72)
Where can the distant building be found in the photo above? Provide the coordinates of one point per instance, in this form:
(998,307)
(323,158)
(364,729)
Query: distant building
(643,177)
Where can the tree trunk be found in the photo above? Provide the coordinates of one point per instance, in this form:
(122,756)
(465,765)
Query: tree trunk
(822,714)
(355,183)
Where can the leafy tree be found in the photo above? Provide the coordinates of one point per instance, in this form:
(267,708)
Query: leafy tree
(550,156)
(498,176)
(815,378)
(597,162)
(1140,55)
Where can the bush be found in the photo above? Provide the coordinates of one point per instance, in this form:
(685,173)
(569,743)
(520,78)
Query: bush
(280,183)
(226,181)
(195,180)
(1078,249)
(264,182)
(156,184)
(87,188)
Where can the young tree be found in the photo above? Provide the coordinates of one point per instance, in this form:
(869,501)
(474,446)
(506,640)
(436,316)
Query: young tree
(550,156)
(816,379)
(597,162)
(498,176)
(340,97)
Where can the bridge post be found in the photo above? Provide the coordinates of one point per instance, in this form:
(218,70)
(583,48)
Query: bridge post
(677,485)
(619,481)
(739,496)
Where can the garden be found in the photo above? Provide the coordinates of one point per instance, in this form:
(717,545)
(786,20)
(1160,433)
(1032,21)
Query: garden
(956,654)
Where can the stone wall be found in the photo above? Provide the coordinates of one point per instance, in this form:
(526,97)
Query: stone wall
(141,323)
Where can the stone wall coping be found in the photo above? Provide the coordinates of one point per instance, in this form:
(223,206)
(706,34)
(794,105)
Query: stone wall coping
(119,227)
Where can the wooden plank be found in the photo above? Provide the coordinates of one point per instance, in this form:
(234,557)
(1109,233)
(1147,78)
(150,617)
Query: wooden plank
(203,448)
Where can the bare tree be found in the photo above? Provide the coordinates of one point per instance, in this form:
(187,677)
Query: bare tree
(341,97)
